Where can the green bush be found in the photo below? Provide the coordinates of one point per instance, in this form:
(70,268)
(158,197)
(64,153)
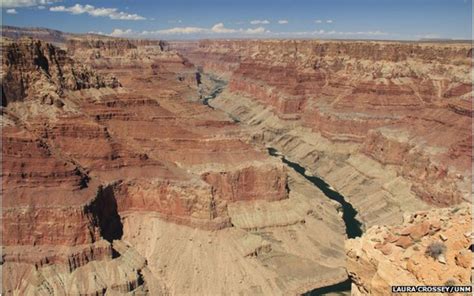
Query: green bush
(435,249)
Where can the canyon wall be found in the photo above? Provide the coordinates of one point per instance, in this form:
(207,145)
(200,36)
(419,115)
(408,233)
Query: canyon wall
(98,156)
(117,179)
(404,105)
(36,70)
(386,124)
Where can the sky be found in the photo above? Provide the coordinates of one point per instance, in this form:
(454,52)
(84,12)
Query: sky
(185,19)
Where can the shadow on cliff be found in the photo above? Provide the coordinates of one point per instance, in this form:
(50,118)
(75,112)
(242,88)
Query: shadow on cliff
(106,214)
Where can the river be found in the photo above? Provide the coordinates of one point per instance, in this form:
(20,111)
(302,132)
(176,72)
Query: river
(217,88)
(349,214)
(353,226)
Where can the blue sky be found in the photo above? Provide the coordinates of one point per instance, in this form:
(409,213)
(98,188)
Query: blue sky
(184,19)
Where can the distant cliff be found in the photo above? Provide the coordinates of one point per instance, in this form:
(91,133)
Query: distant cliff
(34,69)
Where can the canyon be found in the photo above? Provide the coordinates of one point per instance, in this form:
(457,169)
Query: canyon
(246,167)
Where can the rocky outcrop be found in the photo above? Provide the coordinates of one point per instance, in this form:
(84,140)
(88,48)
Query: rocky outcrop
(44,255)
(251,183)
(34,70)
(126,274)
(106,53)
(36,191)
(188,203)
(429,248)
(273,247)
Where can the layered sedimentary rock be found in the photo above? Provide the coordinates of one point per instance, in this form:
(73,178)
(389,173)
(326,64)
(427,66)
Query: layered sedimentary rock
(338,106)
(48,35)
(88,181)
(103,53)
(125,274)
(117,179)
(386,124)
(33,70)
(429,248)
(273,247)
(55,37)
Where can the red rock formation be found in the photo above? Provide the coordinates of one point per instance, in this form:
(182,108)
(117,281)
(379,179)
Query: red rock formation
(74,257)
(249,184)
(359,91)
(79,156)
(72,169)
(38,70)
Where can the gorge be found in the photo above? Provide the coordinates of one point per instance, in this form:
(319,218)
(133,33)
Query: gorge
(246,167)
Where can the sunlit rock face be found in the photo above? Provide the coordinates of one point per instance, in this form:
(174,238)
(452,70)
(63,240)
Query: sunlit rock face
(387,124)
(98,153)
(403,104)
(429,248)
(117,179)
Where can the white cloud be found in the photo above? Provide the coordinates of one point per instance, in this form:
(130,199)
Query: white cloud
(12,11)
(218,28)
(97,33)
(318,21)
(428,36)
(111,13)
(329,21)
(26,3)
(334,34)
(283,22)
(121,33)
(176,31)
(260,22)
(259,30)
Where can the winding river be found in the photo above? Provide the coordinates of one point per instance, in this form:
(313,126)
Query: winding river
(218,87)
(353,226)
(349,214)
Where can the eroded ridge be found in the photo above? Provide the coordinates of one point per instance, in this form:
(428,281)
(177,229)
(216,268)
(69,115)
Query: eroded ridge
(115,181)
(385,123)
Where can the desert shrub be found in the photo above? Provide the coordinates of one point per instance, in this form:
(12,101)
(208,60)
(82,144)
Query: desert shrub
(456,209)
(435,249)
(450,282)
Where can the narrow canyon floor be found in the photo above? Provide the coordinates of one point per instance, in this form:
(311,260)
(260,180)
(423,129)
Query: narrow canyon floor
(271,167)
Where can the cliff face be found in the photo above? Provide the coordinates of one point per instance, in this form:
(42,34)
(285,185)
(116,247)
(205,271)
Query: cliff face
(115,189)
(89,167)
(91,141)
(47,35)
(402,104)
(109,53)
(267,183)
(387,124)
(33,69)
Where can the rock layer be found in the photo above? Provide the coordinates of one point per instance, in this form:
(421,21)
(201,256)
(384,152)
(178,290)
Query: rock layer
(33,69)
(363,97)
(108,164)
(136,187)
